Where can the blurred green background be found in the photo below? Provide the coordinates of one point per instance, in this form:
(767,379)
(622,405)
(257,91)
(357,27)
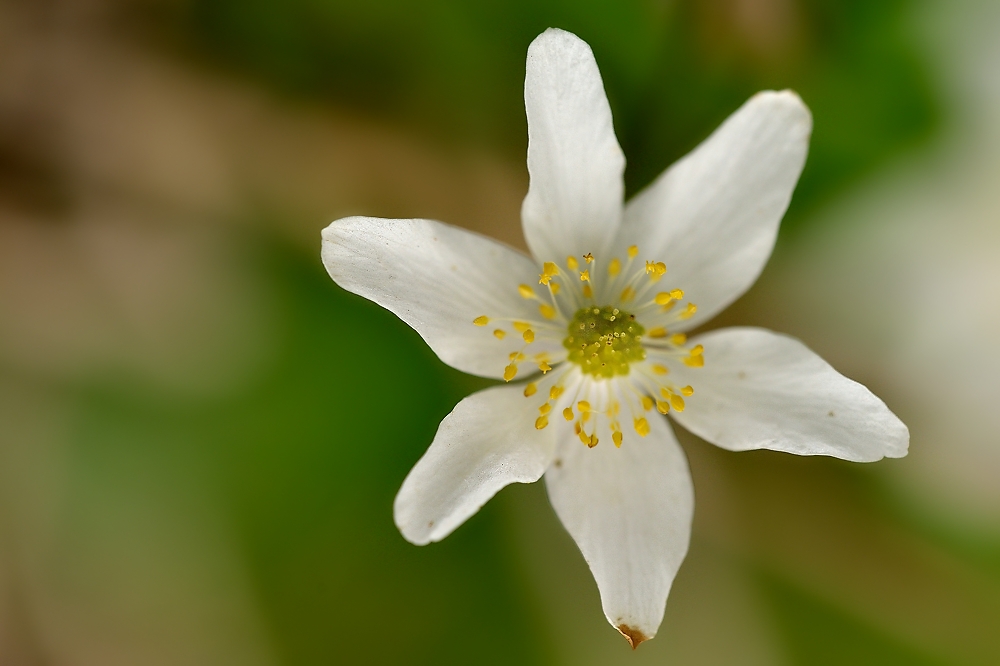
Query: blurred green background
(201,435)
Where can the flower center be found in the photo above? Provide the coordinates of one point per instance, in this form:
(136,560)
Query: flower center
(604,340)
(625,367)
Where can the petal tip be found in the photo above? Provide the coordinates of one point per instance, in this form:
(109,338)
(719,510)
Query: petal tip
(632,635)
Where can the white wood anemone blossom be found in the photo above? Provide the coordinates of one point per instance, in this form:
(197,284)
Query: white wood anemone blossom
(589,333)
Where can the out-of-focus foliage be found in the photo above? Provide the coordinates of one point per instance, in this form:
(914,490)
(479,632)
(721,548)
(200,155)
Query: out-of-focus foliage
(673,70)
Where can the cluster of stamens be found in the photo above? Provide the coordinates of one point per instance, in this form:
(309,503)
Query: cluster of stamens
(602,343)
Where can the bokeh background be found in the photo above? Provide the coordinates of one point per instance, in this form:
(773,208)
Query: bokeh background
(201,435)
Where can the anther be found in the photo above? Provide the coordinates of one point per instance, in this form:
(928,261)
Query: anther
(694,361)
(663,298)
(515,356)
(568,413)
(633,251)
(678,338)
(587,291)
(526,291)
(541,422)
(521,326)
(481,321)
(547,311)
(688,391)
(499,333)
(677,402)
(589,258)
(641,426)
(662,407)
(659,369)
(583,406)
(554,286)
(647,403)
(658,332)
(544,367)
(529,336)
(615,267)
(627,294)
(585,276)
(549,270)
(689,311)
(545,409)
(555,392)
(572,263)
(617,437)
(510,372)
(530,390)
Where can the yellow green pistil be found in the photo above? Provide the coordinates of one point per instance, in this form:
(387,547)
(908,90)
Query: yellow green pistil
(603,341)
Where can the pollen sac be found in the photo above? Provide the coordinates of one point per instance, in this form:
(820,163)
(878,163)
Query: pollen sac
(604,341)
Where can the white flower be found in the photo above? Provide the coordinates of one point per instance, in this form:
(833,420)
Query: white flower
(596,325)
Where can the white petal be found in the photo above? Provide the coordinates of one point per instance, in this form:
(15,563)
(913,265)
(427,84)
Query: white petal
(487,442)
(762,390)
(438,279)
(629,510)
(574,202)
(713,216)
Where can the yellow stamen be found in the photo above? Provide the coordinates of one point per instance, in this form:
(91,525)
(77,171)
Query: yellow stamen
(647,403)
(587,291)
(694,361)
(662,407)
(526,291)
(689,311)
(554,286)
(658,332)
(541,422)
(627,294)
(697,350)
(555,392)
(615,267)
(545,409)
(633,251)
(589,258)
(530,390)
(617,437)
(572,263)
(499,333)
(549,270)
(521,326)
(593,440)
(544,367)
(688,391)
(663,298)
(515,356)
(510,372)
(583,406)
(577,428)
(641,426)
(547,311)
(568,413)
(677,294)
(481,321)
(678,338)
(677,402)
(529,336)
(585,276)
(659,369)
